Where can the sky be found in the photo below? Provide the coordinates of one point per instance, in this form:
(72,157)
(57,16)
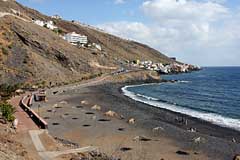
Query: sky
(201,32)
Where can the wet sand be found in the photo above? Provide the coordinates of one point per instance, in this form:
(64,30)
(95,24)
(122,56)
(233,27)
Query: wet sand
(77,122)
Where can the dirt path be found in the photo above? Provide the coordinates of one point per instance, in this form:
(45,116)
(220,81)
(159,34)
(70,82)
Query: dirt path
(3,14)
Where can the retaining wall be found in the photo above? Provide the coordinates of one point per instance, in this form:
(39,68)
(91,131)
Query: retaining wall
(25,103)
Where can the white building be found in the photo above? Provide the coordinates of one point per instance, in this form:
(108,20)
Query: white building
(50,25)
(56,17)
(75,38)
(40,23)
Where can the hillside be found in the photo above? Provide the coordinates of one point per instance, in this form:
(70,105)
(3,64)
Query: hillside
(33,54)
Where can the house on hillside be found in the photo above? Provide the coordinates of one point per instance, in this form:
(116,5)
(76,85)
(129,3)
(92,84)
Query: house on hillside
(56,17)
(49,24)
(40,23)
(76,39)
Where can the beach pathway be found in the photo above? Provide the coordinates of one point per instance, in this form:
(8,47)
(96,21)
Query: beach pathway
(25,123)
(49,155)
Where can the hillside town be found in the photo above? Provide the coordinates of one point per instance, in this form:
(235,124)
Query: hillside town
(72,37)
(82,41)
(165,68)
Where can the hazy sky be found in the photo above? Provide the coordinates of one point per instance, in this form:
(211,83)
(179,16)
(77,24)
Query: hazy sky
(203,32)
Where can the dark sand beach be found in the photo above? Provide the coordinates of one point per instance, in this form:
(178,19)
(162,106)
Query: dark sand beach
(70,116)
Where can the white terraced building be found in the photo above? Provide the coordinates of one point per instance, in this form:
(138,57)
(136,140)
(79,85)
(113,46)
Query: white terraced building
(75,38)
(48,24)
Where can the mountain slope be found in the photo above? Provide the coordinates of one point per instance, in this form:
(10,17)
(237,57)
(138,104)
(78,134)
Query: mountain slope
(33,54)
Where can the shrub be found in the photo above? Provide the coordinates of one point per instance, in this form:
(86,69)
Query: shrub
(45,25)
(10,46)
(58,31)
(7,112)
(4,51)
(7,90)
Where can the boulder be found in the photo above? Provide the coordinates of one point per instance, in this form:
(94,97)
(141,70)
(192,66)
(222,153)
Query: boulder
(96,107)
(111,114)
(19,91)
(131,121)
(84,102)
(55,105)
(199,140)
(237,157)
(156,129)
(63,102)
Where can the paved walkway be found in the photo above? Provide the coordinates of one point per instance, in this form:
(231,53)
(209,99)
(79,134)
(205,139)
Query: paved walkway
(50,155)
(25,123)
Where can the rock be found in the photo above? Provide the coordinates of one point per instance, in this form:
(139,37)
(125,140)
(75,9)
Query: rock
(193,130)
(84,102)
(122,117)
(63,102)
(237,157)
(156,129)
(96,107)
(34,87)
(15,123)
(19,91)
(198,140)
(111,114)
(131,121)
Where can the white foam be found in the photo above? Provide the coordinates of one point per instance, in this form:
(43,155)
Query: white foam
(183,81)
(149,98)
(210,117)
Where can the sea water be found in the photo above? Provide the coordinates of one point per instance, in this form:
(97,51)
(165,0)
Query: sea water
(212,94)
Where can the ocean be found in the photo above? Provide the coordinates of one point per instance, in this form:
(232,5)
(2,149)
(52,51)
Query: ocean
(211,94)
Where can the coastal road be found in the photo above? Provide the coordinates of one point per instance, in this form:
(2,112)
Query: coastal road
(3,14)
(92,82)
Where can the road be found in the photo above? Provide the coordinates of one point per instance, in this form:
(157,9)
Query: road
(3,14)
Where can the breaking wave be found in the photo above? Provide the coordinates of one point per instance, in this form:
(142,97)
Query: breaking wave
(210,117)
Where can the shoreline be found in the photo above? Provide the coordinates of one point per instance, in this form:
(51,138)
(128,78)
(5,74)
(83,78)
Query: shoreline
(230,134)
(215,119)
(216,141)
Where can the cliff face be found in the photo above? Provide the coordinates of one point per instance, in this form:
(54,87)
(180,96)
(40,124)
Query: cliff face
(33,54)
